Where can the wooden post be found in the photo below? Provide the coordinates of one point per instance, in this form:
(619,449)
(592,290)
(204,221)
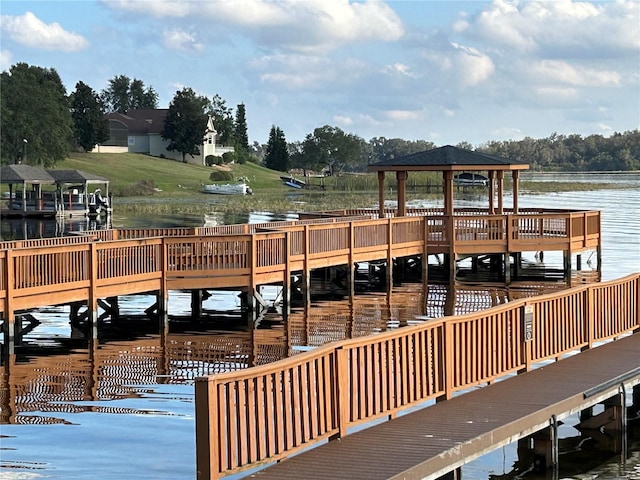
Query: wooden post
(389,253)
(351,274)
(196,304)
(425,252)
(492,190)
(567,266)
(545,447)
(507,268)
(306,273)
(92,302)
(206,403)
(500,179)
(286,284)
(342,389)
(381,194)
(515,179)
(9,315)
(401,177)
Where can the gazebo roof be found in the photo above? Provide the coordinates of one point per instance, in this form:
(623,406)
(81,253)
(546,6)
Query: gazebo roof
(76,176)
(19,174)
(447,158)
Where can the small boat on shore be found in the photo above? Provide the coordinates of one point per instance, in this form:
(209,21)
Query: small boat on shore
(293,182)
(227,189)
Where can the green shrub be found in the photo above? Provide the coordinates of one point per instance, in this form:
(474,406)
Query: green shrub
(221,176)
(211,160)
(229,157)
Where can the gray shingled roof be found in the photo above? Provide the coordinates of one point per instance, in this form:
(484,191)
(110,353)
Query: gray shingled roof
(143,121)
(14,174)
(448,158)
(76,176)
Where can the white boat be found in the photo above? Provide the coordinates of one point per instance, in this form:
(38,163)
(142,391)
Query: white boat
(227,189)
(470,180)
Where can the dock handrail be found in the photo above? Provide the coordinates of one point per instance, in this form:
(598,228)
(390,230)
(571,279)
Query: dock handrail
(267,413)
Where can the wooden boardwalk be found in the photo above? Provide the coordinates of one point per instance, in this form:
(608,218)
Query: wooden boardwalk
(431,442)
(104,264)
(272,412)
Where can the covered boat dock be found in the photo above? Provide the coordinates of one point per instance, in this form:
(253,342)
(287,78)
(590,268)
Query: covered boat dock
(65,192)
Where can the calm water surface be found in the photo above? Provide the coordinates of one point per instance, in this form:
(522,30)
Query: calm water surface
(124,408)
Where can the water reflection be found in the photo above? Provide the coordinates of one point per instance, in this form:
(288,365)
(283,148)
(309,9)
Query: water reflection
(123,406)
(56,373)
(31,228)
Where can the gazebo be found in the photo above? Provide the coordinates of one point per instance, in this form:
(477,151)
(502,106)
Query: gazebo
(21,176)
(450,160)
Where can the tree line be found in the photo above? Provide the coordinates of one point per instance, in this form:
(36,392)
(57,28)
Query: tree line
(41,124)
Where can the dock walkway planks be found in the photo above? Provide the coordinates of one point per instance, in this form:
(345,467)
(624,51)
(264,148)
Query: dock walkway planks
(424,443)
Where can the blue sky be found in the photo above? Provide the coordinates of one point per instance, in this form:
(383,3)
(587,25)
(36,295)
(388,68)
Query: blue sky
(442,71)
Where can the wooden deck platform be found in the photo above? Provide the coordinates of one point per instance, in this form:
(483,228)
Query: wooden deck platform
(431,442)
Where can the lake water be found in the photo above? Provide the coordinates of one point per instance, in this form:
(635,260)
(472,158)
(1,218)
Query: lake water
(123,407)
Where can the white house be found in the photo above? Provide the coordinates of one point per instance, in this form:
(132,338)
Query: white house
(139,132)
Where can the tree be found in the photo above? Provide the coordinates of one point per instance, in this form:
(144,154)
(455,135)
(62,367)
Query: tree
(222,118)
(277,156)
(35,121)
(90,126)
(124,94)
(186,123)
(141,97)
(330,147)
(240,129)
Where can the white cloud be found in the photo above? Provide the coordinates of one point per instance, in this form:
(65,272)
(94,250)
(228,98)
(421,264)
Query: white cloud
(311,25)
(564,73)
(32,32)
(180,40)
(343,120)
(400,69)
(308,73)
(474,67)
(402,115)
(559,27)
(507,133)
(163,8)
(6,60)
(605,129)
(557,93)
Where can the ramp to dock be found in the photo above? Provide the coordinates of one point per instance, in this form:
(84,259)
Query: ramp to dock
(430,442)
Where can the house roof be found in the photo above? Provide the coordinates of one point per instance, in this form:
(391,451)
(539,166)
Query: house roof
(143,121)
(76,176)
(24,174)
(448,158)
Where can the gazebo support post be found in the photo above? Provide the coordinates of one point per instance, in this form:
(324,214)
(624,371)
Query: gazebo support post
(500,178)
(450,223)
(515,175)
(492,190)
(401,177)
(381,194)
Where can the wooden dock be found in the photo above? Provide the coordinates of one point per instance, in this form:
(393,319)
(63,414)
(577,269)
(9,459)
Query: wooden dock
(265,414)
(104,264)
(432,442)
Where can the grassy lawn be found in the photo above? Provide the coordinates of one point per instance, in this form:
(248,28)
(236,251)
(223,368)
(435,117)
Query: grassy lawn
(144,184)
(171,179)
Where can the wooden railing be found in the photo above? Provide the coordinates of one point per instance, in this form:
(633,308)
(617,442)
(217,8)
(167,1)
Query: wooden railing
(263,414)
(76,265)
